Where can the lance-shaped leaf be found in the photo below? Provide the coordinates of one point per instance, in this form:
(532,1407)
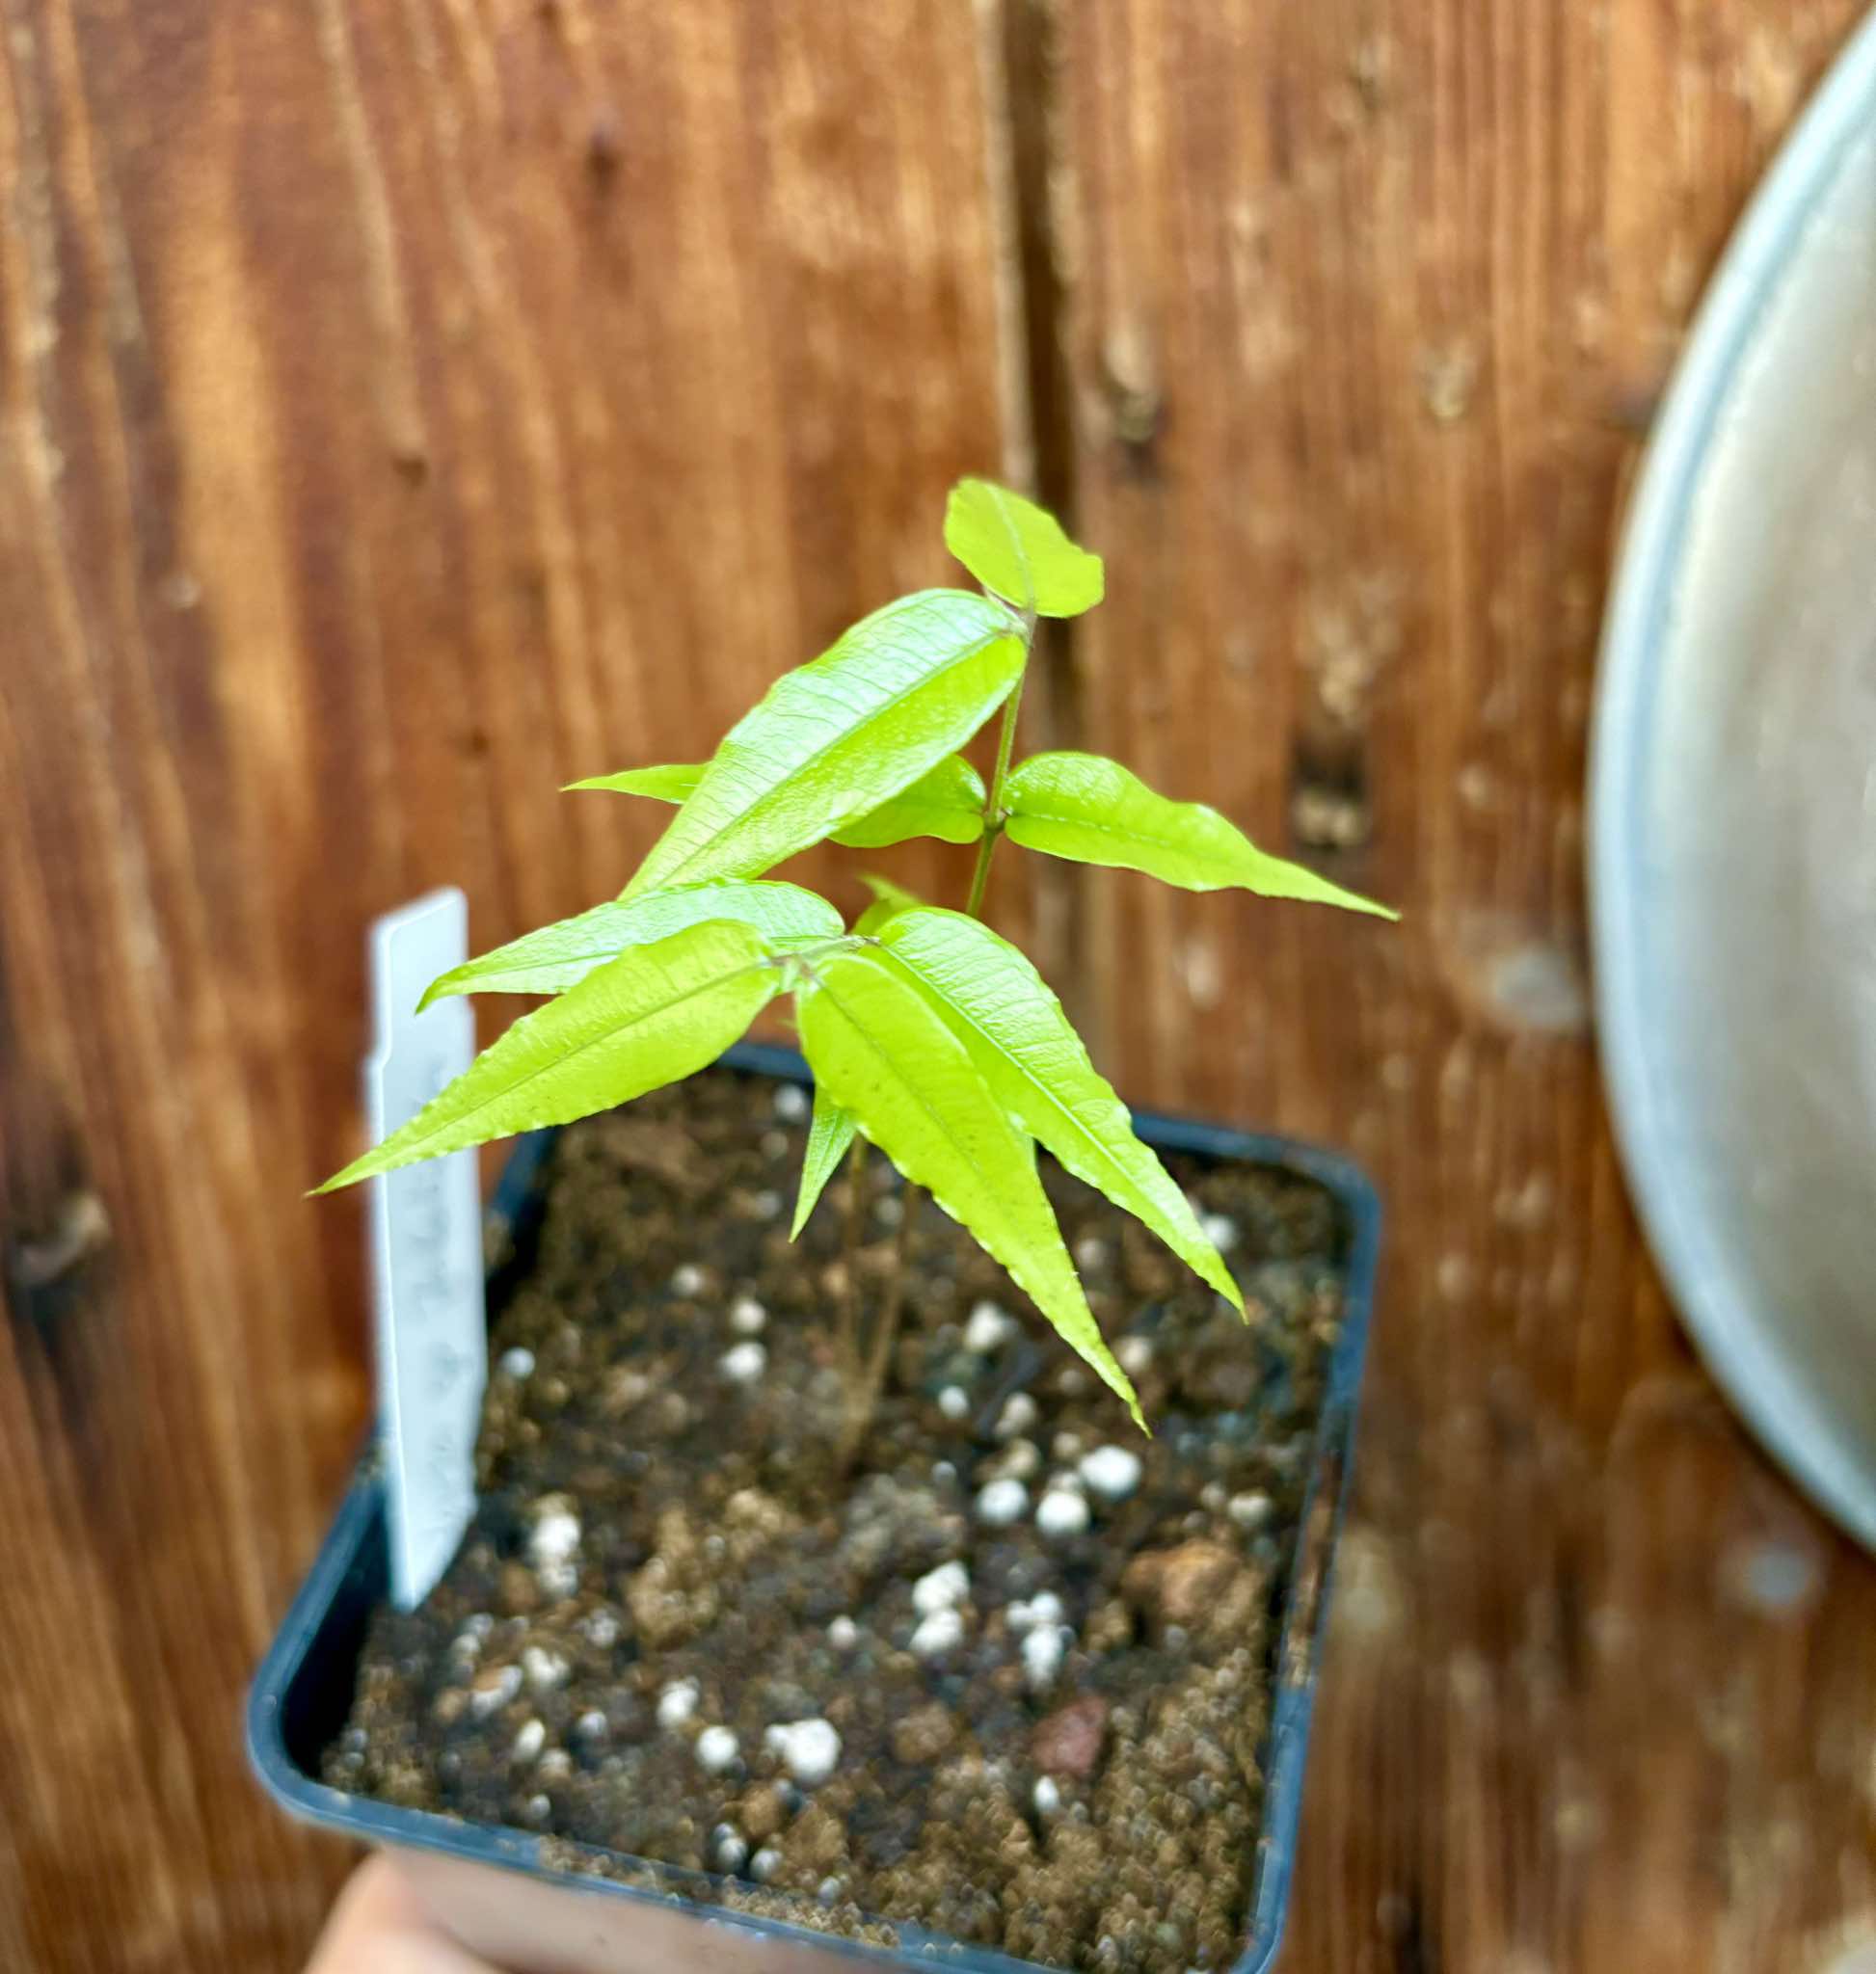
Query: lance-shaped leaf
(888,897)
(830,1137)
(674,782)
(1002,1009)
(838,736)
(1094,811)
(1017,548)
(884,1053)
(946,803)
(558,957)
(655,1015)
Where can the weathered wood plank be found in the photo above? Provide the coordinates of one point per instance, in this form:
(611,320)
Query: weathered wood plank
(1363,309)
(403,410)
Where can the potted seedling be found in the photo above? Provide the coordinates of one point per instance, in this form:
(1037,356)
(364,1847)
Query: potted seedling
(815,1588)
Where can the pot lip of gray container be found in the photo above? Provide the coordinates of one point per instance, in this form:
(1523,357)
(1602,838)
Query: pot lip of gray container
(343,1570)
(1730,1328)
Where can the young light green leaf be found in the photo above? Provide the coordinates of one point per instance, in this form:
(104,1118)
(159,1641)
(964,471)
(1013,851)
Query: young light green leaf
(1019,551)
(836,737)
(830,1137)
(555,957)
(1002,1009)
(888,897)
(884,1053)
(674,782)
(1092,810)
(948,802)
(655,1015)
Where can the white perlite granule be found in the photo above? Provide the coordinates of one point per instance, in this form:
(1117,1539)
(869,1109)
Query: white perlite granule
(809,1750)
(1000,1502)
(716,1749)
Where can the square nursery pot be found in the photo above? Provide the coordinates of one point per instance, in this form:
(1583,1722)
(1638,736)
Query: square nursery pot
(503,1892)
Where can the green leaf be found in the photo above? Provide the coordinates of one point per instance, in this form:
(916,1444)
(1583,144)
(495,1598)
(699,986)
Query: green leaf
(1019,551)
(558,956)
(651,1017)
(1094,811)
(948,802)
(830,1137)
(885,1053)
(672,783)
(836,737)
(888,897)
(1002,1009)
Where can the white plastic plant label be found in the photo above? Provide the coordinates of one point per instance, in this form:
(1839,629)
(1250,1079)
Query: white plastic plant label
(426,1249)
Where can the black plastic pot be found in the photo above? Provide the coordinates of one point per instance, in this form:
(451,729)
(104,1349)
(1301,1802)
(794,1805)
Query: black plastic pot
(489,1885)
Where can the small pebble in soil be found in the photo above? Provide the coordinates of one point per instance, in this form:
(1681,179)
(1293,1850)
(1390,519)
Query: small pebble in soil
(1061,1512)
(544,1670)
(828,1890)
(1112,1472)
(716,1749)
(774,1145)
(1020,1460)
(1003,1501)
(516,1362)
(768,1204)
(677,1703)
(940,1588)
(536,1809)
(955,1402)
(1044,1608)
(1066,1447)
(552,1543)
(591,1725)
(790,1103)
(1090,1254)
(748,1316)
(529,1742)
(1018,1415)
(1046,1796)
(765,1864)
(555,1766)
(688,1279)
(1043,1648)
(1221,1230)
(744,1363)
(1136,1355)
(889,1209)
(987,1330)
(1248,1510)
(729,1849)
(601,1628)
(493,1689)
(941,1633)
(842,1634)
(809,1750)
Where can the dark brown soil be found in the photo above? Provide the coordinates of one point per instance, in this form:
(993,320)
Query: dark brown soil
(666,1558)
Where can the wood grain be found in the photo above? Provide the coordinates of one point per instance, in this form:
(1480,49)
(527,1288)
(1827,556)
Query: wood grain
(407,407)
(1363,307)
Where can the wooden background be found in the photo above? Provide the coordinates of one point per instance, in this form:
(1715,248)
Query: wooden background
(410,406)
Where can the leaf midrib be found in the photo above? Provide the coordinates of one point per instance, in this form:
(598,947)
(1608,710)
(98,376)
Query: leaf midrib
(910,1087)
(1134,836)
(609,1035)
(803,767)
(1103,1157)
